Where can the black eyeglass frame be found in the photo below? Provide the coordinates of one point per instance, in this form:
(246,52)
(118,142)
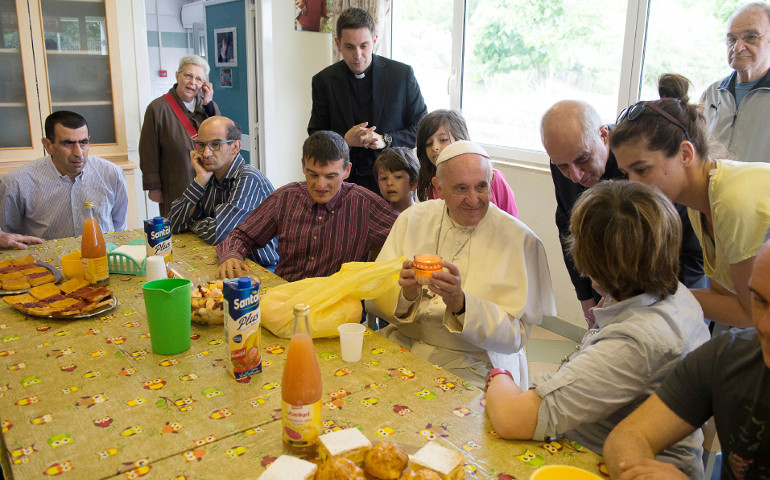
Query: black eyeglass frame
(635,111)
(201,146)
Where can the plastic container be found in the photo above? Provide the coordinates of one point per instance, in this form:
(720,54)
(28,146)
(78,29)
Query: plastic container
(168,315)
(207,303)
(93,250)
(72,265)
(561,472)
(301,388)
(126,264)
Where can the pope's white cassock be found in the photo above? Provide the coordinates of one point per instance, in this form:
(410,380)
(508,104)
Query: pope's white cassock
(507,287)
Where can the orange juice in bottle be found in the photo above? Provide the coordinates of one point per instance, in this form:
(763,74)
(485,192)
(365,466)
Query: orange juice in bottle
(93,250)
(301,388)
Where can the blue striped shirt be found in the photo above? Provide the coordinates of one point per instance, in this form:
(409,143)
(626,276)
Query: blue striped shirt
(211,211)
(38,200)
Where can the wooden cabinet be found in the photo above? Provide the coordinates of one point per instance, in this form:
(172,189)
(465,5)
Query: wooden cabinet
(59,55)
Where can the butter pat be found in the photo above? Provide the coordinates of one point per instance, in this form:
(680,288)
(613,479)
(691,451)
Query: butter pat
(287,467)
(447,463)
(348,443)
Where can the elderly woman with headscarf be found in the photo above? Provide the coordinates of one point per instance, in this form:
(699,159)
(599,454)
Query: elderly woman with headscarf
(170,127)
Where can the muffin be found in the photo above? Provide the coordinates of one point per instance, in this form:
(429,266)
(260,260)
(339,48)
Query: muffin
(339,468)
(386,461)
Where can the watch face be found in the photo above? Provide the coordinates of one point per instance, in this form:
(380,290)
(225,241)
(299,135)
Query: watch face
(388,139)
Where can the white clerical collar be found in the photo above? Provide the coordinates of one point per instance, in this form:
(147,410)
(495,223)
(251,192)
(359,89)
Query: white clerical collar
(360,76)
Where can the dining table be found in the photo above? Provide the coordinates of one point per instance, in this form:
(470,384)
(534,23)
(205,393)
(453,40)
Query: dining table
(88,399)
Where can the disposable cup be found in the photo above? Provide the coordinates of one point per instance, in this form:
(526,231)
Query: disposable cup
(155,269)
(72,265)
(351,341)
(168,314)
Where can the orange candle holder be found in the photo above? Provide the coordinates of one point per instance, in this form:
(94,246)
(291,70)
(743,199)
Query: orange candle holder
(424,265)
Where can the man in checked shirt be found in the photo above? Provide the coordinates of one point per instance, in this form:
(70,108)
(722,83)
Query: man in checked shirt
(225,189)
(320,223)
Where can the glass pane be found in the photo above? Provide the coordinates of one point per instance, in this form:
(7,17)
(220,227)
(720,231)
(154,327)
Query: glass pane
(78,63)
(522,56)
(13,99)
(702,58)
(422,38)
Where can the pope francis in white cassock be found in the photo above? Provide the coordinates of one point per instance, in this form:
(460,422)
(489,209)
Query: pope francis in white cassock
(477,313)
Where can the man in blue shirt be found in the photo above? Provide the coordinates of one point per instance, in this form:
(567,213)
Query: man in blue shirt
(224,191)
(44,198)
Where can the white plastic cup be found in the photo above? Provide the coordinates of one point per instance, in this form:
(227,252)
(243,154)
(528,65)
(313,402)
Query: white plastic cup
(351,341)
(155,268)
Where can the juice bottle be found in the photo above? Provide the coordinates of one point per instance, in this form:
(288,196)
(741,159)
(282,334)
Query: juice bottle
(301,388)
(93,250)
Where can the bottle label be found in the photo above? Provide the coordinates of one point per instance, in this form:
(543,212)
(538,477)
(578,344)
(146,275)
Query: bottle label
(242,328)
(96,270)
(301,424)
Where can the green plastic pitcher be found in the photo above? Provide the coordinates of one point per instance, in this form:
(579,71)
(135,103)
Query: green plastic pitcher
(168,314)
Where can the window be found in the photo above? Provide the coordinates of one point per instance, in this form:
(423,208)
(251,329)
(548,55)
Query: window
(504,62)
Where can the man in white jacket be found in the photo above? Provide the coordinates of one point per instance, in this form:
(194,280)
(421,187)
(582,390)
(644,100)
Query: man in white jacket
(475,314)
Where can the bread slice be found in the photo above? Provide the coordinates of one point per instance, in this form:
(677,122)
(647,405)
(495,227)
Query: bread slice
(12,284)
(18,299)
(23,260)
(40,278)
(287,467)
(447,463)
(73,284)
(349,443)
(45,290)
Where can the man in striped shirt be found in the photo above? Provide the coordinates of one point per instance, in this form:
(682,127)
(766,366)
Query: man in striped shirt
(225,189)
(321,223)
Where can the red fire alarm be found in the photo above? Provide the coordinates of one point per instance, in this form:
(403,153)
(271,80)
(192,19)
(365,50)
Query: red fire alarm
(163,73)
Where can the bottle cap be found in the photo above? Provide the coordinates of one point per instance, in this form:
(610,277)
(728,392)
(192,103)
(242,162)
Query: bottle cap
(158,220)
(301,309)
(244,282)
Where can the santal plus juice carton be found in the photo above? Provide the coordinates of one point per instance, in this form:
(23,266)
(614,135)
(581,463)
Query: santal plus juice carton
(158,235)
(242,322)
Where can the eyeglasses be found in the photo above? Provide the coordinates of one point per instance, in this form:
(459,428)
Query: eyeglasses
(635,111)
(214,145)
(747,38)
(190,77)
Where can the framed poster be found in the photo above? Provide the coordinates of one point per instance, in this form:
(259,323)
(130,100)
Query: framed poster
(225,47)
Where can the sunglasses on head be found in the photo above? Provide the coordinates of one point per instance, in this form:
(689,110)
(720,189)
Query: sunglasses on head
(635,111)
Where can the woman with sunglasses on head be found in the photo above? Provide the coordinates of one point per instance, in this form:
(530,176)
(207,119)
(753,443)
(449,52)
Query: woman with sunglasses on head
(437,130)
(664,143)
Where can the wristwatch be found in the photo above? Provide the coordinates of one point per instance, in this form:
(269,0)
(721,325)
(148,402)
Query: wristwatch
(388,140)
(495,372)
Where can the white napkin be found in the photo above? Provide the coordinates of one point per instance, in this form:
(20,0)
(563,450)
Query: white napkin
(137,252)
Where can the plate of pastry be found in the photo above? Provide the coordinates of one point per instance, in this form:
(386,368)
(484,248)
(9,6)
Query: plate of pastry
(74,298)
(21,274)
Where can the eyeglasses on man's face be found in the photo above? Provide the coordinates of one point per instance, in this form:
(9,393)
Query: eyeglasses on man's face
(190,77)
(214,145)
(748,38)
(635,111)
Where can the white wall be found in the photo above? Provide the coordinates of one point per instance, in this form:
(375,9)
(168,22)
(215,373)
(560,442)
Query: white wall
(296,57)
(535,199)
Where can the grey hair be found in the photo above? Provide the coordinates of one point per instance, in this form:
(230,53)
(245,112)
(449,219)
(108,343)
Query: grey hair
(487,161)
(194,60)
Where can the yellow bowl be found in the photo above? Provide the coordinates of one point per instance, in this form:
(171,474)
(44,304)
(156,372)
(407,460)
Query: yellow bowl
(563,472)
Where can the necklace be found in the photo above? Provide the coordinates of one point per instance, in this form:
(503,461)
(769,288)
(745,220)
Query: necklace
(438,236)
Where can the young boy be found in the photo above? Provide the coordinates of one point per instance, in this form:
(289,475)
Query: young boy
(396,171)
